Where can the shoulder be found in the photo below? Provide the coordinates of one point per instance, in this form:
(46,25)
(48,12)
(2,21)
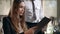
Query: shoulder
(6,19)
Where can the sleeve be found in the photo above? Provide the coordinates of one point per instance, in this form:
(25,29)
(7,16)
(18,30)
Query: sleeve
(6,27)
(41,12)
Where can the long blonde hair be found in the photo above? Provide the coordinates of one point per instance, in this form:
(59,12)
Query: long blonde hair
(15,18)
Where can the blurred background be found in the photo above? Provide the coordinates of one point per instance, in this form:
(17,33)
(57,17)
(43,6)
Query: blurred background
(51,8)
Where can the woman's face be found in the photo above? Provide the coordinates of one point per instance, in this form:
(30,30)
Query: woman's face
(21,8)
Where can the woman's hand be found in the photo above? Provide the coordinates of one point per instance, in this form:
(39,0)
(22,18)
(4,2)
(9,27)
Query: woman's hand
(30,31)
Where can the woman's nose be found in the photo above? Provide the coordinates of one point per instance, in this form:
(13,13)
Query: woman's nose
(22,9)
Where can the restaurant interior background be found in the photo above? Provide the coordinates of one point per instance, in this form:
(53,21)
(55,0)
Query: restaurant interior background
(50,8)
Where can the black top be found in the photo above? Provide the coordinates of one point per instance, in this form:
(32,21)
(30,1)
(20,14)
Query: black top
(7,26)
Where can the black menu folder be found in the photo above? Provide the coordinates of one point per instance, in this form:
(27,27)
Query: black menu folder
(43,22)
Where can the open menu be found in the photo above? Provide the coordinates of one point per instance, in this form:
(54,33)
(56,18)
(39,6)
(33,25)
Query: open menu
(43,22)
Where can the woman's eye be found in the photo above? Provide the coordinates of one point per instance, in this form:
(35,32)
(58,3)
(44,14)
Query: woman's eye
(20,7)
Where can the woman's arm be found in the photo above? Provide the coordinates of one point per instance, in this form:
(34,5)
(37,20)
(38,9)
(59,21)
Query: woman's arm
(6,27)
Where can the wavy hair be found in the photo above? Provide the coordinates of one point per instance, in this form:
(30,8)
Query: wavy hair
(15,18)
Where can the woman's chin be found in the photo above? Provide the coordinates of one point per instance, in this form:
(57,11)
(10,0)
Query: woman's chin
(21,14)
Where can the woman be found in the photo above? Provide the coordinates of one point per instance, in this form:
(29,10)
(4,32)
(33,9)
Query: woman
(14,23)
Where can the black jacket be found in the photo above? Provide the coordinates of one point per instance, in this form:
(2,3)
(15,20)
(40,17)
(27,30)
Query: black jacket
(7,26)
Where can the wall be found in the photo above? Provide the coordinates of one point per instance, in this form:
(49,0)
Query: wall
(4,7)
(50,8)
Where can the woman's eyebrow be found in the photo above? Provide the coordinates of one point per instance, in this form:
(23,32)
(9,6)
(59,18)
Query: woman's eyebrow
(21,6)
